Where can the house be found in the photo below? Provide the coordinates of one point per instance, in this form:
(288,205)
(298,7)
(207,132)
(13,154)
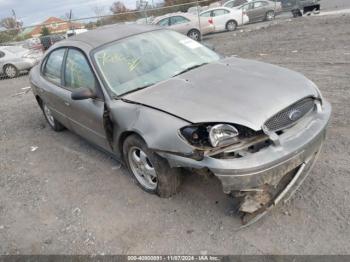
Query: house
(56,26)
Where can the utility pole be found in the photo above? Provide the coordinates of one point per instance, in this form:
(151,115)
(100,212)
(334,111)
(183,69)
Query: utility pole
(15,19)
(199,21)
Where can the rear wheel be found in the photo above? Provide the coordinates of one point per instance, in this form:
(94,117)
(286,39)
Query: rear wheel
(270,15)
(194,34)
(11,71)
(152,173)
(231,25)
(296,13)
(54,124)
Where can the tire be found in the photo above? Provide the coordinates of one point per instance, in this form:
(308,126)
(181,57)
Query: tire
(11,71)
(151,172)
(231,25)
(296,13)
(194,34)
(270,15)
(53,123)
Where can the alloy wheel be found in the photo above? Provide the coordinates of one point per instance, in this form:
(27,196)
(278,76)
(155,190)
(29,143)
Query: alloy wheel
(142,168)
(10,71)
(49,116)
(194,35)
(231,26)
(270,16)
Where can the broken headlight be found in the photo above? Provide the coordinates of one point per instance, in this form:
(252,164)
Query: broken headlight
(210,135)
(223,135)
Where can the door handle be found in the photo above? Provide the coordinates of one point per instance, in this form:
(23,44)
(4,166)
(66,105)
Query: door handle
(66,103)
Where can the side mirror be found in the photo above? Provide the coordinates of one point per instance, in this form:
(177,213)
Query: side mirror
(82,94)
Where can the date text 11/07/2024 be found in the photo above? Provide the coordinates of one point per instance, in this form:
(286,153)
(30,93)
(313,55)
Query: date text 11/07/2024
(174,258)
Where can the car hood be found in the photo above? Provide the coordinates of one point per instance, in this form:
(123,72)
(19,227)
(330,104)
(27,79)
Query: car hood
(232,90)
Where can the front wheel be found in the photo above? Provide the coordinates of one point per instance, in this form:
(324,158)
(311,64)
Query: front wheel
(152,173)
(194,34)
(231,25)
(270,15)
(11,71)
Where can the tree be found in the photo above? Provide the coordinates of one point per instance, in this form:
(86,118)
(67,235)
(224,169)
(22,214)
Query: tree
(118,8)
(7,36)
(10,23)
(99,12)
(45,31)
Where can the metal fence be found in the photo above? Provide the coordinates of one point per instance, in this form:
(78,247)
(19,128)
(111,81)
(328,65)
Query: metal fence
(144,15)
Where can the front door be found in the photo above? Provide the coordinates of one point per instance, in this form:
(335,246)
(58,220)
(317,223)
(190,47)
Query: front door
(85,116)
(258,12)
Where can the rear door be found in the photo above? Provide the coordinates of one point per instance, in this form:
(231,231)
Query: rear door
(85,116)
(51,90)
(180,24)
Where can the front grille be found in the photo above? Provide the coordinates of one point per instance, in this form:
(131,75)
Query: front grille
(289,116)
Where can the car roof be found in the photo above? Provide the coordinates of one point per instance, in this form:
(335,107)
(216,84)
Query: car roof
(187,15)
(106,34)
(216,8)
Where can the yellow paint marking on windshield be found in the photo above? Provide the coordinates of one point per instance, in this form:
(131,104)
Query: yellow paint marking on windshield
(131,63)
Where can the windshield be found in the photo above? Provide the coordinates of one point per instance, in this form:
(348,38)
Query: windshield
(142,60)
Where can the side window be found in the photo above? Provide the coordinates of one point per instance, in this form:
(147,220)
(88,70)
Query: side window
(2,54)
(247,7)
(78,72)
(164,22)
(219,12)
(258,4)
(52,69)
(178,20)
(206,14)
(230,4)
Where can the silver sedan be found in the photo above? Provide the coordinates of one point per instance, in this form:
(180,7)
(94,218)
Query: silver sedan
(14,59)
(162,102)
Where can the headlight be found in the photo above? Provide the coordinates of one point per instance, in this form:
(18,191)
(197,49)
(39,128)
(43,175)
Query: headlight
(208,135)
(222,135)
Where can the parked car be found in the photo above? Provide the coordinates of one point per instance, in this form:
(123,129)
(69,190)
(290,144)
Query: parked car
(73,32)
(49,40)
(160,101)
(300,7)
(261,10)
(185,23)
(224,18)
(33,43)
(235,3)
(14,59)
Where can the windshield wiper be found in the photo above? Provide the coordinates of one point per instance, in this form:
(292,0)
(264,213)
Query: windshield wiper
(136,89)
(189,69)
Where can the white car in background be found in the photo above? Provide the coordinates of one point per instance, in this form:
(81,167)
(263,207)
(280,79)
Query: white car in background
(224,18)
(186,24)
(15,59)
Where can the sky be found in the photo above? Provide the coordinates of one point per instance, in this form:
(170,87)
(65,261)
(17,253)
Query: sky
(36,11)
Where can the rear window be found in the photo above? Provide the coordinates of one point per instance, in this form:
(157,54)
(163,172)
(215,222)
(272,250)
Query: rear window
(52,69)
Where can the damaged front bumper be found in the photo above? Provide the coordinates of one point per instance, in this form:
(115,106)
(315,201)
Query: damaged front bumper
(264,178)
